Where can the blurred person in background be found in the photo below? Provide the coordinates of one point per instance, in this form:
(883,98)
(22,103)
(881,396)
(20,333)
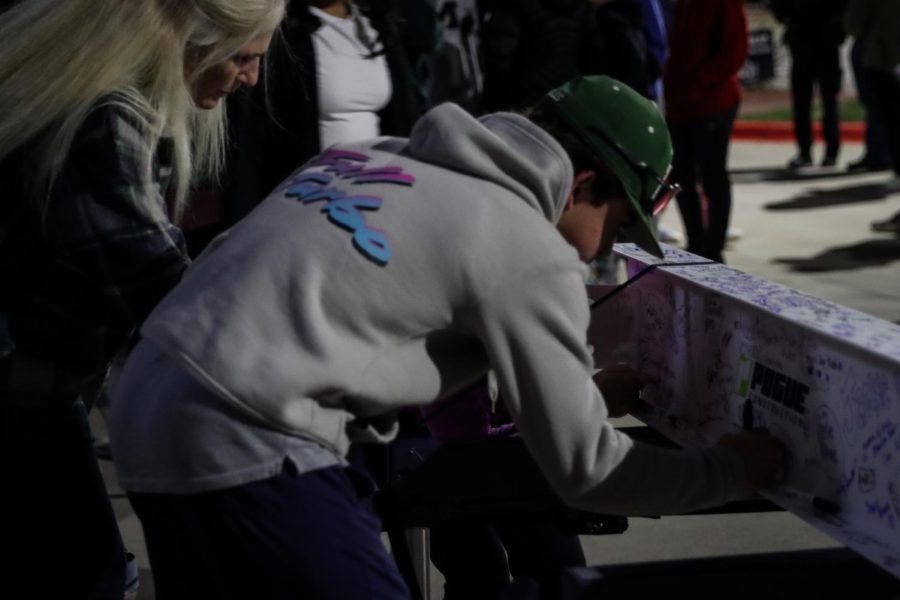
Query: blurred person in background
(625,40)
(878,21)
(339,75)
(814,32)
(876,156)
(707,47)
(530,47)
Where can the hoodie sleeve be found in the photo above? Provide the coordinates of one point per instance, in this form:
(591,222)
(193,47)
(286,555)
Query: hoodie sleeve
(534,330)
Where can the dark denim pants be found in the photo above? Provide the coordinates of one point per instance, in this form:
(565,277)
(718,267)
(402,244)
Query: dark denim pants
(811,67)
(311,536)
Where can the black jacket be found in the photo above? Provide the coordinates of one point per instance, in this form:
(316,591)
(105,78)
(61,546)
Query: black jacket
(533,46)
(529,48)
(811,23)
(274,127)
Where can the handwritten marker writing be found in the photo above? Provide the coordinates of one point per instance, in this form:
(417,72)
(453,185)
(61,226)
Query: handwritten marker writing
(822,504)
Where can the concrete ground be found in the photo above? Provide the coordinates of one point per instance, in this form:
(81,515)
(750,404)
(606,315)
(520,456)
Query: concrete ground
(809,231)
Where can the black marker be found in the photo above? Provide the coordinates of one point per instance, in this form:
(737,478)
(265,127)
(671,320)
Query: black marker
(819,503)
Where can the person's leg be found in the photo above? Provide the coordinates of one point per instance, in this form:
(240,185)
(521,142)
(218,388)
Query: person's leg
(57,523)
(472,560)
(312,535)
(684,173)
(801,100)
(538,549)
(712,145)
(829,76)
(875,154)
(886,91)
(179,571)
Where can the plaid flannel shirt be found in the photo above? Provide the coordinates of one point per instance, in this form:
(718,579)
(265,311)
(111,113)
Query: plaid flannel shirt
(77,281)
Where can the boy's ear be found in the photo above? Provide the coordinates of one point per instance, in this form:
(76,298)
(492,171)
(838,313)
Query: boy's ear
(581,184)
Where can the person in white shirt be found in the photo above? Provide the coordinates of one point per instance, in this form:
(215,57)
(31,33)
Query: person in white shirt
(340,74)
(352,75)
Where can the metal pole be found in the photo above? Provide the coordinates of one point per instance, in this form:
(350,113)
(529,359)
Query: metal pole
(420,553)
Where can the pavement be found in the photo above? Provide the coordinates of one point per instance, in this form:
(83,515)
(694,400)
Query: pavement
(807,230)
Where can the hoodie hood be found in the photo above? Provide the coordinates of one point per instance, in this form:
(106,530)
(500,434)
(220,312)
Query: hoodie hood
(504,148)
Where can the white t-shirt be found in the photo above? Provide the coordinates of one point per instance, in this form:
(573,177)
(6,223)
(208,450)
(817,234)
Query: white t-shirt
(352,86)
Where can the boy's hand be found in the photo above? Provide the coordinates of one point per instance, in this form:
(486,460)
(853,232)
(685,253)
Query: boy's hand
(621,387)
(763,456)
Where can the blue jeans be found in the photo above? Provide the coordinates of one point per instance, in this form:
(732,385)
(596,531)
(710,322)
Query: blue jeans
(312,535)
(700,161)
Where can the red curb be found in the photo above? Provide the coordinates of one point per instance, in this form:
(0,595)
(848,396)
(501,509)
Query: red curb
(783,131)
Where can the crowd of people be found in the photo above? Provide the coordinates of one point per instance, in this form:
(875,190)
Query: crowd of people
(261,228)
(815,32)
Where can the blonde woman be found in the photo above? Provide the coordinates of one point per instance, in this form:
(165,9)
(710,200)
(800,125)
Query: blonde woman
(106,108)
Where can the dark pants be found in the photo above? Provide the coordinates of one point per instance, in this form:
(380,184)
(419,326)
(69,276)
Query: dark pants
(477,557)
(886,92)
(700,160)
(58,531)
(876,151)
(311,536)
(811,65)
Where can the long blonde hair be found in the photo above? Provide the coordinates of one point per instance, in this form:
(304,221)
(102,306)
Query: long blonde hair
(60,58)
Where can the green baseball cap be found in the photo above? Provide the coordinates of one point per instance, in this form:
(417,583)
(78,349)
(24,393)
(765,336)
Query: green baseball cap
(628,133)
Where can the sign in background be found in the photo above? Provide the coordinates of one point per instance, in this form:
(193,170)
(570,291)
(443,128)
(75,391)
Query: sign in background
(760,64)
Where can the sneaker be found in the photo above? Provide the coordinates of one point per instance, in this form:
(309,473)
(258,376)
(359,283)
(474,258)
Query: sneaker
(829,161)
(800,161)
(667,235)
(734,234)
(892,185)
(890,225)
(867,164)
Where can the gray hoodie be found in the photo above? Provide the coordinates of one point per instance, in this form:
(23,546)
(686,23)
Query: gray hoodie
(389,273)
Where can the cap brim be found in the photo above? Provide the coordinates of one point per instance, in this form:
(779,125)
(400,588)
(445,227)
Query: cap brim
(641,233)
